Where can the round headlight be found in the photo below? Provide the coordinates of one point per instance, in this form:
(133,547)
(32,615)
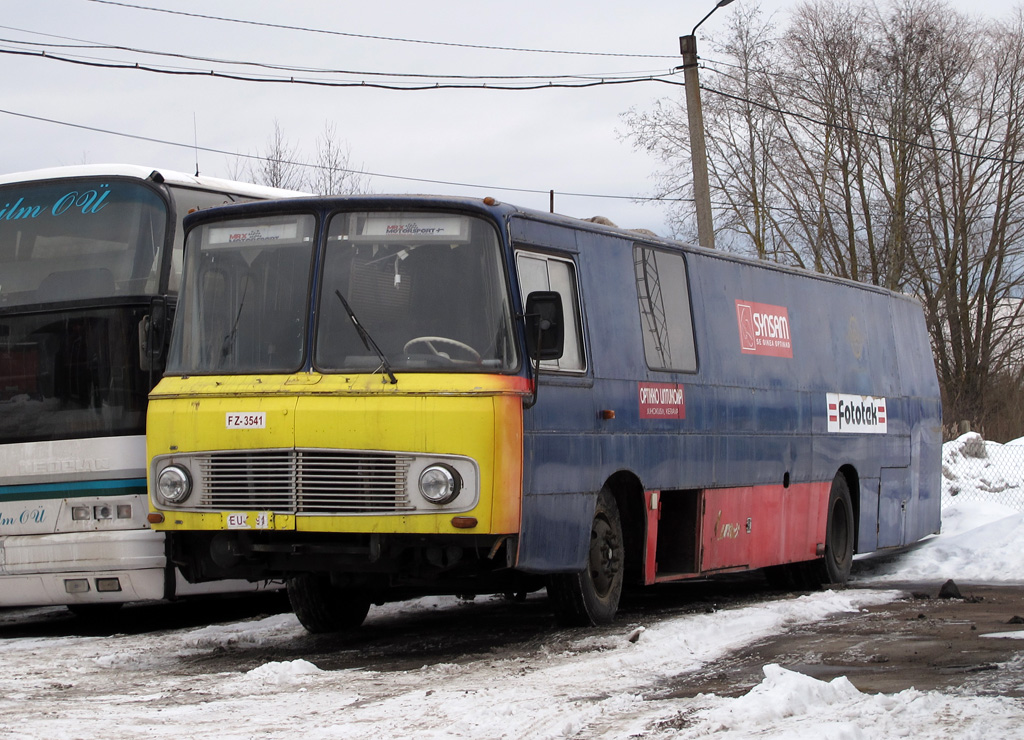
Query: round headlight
(173,485)
(440,484)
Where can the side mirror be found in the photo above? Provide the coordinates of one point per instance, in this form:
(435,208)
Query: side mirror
(153,335)
(545,332)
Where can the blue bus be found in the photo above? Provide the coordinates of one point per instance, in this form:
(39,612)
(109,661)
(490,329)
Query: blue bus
(377,396)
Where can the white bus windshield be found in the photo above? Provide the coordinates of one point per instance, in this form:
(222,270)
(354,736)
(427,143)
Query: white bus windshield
(79,240)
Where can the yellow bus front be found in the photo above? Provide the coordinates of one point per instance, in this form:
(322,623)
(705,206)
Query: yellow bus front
(432,454)
(343,397)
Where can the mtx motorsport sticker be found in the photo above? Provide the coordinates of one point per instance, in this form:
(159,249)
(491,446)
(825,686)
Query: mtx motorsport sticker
(662,401)
(856,414)
(764,329)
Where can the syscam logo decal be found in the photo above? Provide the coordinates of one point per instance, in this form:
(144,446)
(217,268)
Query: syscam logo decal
(764,329)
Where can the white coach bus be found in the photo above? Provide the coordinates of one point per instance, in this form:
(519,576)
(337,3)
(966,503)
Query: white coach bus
(90,262)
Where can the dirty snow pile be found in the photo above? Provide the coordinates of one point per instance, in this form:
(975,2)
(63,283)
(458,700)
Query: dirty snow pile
(598,685)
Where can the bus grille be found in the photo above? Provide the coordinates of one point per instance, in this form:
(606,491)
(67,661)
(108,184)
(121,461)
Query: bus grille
(304,482)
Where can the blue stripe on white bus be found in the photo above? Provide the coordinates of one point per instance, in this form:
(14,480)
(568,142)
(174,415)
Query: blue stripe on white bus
(71,489)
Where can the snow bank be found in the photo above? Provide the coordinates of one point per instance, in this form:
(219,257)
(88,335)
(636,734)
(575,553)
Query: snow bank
(982,524)
(793,706)
(976,470)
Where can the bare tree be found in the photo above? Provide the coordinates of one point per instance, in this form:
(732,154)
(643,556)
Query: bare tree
(969,249)
(278,165)
(281,165)
(332,173)
(744,140)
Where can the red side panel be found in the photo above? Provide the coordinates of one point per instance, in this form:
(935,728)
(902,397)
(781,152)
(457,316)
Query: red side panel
(765,525)
(652,501)
(693,533)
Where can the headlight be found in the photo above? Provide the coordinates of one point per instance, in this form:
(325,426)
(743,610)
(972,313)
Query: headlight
(173,485)
(440,484)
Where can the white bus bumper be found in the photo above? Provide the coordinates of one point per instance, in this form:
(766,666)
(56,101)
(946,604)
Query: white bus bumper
(82,568)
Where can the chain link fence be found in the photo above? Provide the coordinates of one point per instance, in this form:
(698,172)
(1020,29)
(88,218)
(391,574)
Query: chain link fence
(976,470)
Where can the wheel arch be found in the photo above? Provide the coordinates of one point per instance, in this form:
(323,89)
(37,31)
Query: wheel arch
(628,491)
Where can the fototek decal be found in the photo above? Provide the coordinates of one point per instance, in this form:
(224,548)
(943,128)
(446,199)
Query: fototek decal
(764,329)
(856,414)
(662,401)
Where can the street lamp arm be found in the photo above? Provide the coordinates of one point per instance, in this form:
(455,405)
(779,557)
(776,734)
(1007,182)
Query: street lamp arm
(720,4)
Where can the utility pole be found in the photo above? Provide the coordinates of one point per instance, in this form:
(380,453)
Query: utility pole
(695,118)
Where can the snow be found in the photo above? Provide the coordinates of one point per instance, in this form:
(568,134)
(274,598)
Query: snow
(982,518)
(794,706)
(585,684)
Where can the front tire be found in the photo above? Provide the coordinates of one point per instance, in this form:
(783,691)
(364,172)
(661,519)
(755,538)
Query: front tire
(591,597)
(323,607)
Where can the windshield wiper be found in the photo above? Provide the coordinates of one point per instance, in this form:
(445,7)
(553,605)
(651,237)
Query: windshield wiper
(228,344)
(367,339)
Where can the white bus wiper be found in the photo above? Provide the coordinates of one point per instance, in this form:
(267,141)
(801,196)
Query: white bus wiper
(367,339)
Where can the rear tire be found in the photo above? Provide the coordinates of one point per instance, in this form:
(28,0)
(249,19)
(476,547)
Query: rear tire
(323,607)
(834,569)
(591,597)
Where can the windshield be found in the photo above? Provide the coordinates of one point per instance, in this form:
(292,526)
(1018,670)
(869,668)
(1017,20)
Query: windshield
(427,287)
(67,374)
(244,298)
(79,240)
(427,290)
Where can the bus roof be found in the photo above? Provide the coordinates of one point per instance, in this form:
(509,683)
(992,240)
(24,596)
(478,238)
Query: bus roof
(508,210)
(144,173)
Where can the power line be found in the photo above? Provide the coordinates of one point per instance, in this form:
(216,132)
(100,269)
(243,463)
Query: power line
(403,87)
(88,44)
(375,37)
(452,183)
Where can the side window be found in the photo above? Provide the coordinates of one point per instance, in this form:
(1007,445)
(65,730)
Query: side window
(664,298)
(541,272)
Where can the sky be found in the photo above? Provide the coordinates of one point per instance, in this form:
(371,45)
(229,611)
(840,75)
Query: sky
(592,684)
(516,146)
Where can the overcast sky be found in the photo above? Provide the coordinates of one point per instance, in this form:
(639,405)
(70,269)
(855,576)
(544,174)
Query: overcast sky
(568,140)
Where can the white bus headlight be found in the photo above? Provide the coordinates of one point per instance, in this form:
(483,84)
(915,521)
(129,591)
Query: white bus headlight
(173,485)
(440,484)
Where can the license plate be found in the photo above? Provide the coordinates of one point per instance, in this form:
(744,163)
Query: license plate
(249,520)
(246,420)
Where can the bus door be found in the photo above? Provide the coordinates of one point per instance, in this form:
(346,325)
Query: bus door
(559,444)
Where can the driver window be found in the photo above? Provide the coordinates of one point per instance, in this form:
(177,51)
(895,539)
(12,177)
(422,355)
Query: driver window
(543,272)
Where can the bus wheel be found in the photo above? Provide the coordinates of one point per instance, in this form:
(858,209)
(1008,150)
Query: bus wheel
(323,607)
(591,596)
(834,568)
